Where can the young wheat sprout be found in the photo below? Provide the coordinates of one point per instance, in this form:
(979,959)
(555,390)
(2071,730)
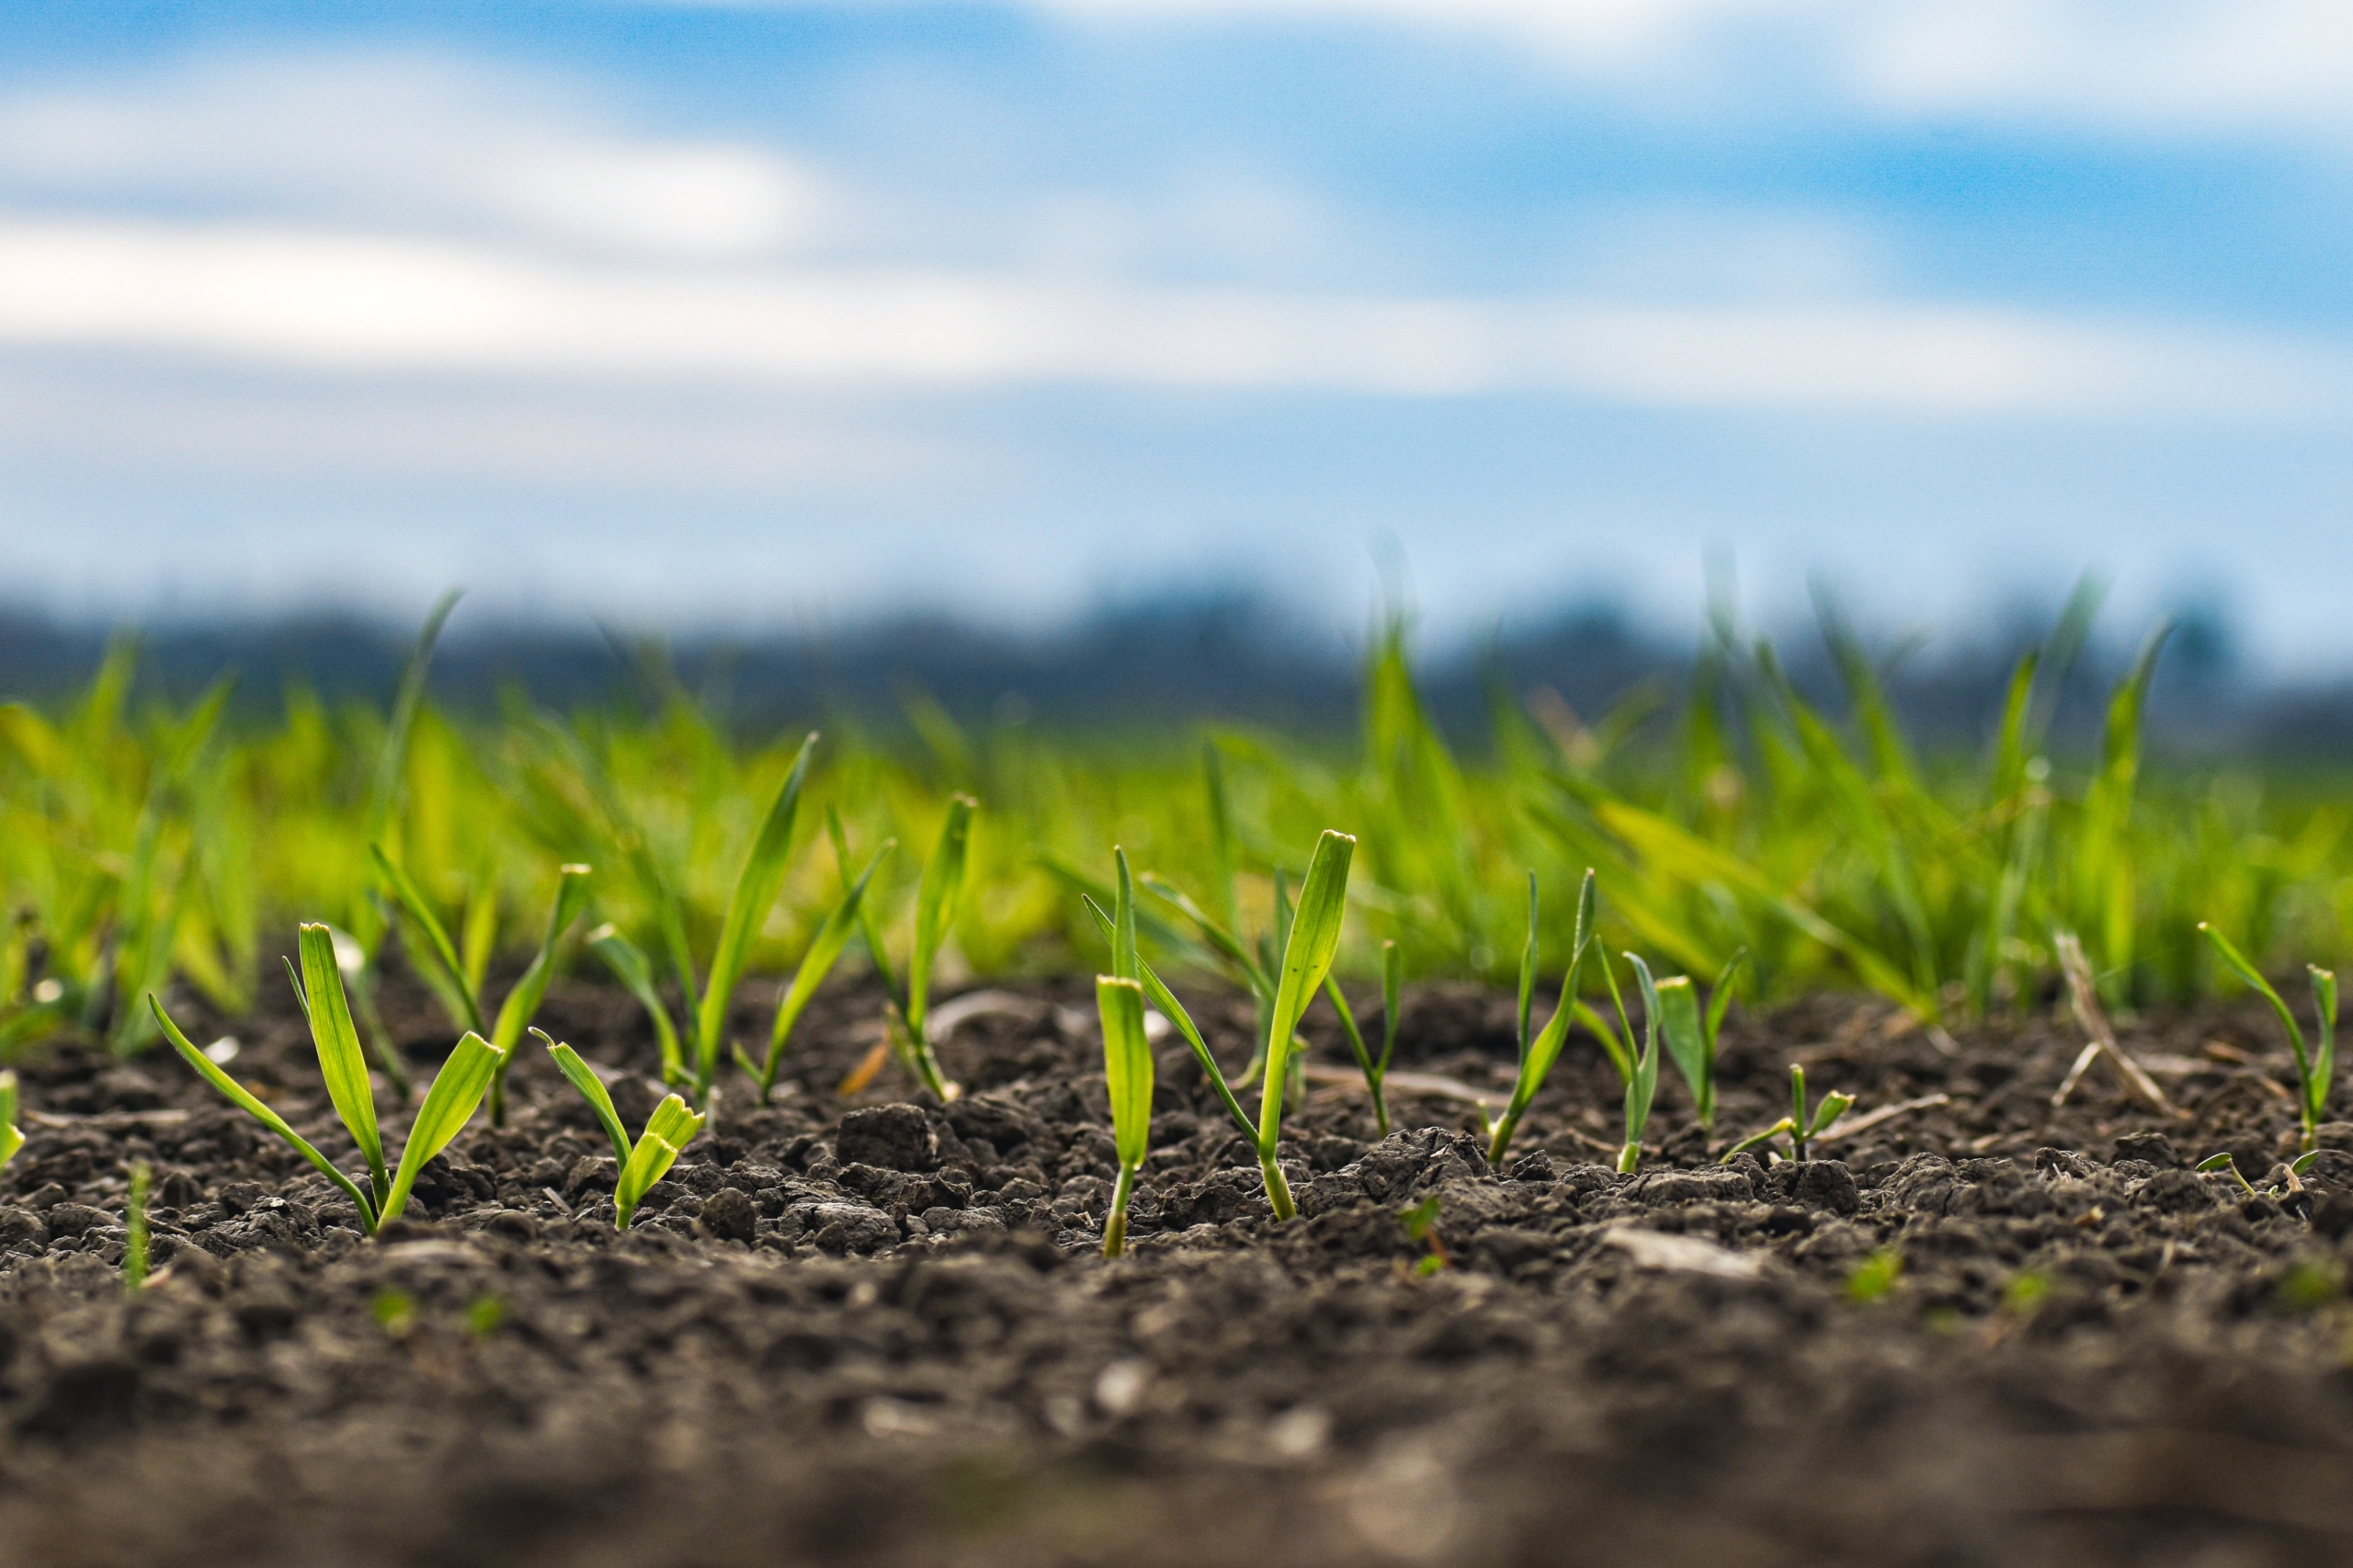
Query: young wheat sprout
(637,1165)
(2316,1068)
(456,1093)
(10,1139)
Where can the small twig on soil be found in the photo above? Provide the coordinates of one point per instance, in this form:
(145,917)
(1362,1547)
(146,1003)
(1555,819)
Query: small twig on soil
(1411,1083)
(1871,1118)
(61,1120)
(2084,1003)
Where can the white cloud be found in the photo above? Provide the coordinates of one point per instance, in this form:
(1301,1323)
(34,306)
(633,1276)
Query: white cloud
(404,142)
(373,306)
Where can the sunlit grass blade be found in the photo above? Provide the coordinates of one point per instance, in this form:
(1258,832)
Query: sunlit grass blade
(1220,937)
(937,896)
(1643,1085)
(1173,1011)
(755,892)
(439,948)
(2323,1078)
(1527,971)
(1687,1042)
(11,1140)
(1536,1061)
(1126,1072)
(2236,962)
(236,1094)
(1126,963)
(341,1063)
(1393,978)
(2106,880)
(1312,941)
(630,965)
(522,1004)
(672,1127)
(1224,856)
(815,964)
(455,1094)
(583,1077)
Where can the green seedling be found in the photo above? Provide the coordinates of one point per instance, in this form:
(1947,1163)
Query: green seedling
(458,977)
(667,1133)
(1874,1277)
(1311,938)
(630,965)
(1308,949)
(134,1231)
(1121,929)
(1420,1220)
(1799,1126)
(10,1139)
(2212,1164)
(1691,1034)
(1538,1056)
(906,1012)
(1127,1074)
(456,1093)
(823,950)
(1642,1085)
(2315,1069)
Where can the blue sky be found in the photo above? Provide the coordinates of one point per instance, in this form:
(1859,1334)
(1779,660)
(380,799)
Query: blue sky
(747,315)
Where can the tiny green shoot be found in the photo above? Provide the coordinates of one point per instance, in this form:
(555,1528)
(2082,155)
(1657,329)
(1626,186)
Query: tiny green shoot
(2225,1163)
(1538,1056)
(1643,1085)
(823,950)
(937,896)
(1420,1220)
(756,887)
(1874,1277)
(1691,1034)
(134,1231)
(2315,1069)
(1308,947)
(456,1093)
(10,1139)
(1802,1126)
(639,1165)
(454,974)
(1127,1074)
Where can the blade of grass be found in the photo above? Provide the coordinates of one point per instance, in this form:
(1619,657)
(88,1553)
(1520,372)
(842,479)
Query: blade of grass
(438,946)
(522,1004)
(936,899)
(1173,1011)
(815,964)
(631,967)
(1536,1065)
(583,1077)
(341,1063)
(1308,950)
(755,892)
(236,1094)
(455,1094)
(1126,1072)
(672,1127)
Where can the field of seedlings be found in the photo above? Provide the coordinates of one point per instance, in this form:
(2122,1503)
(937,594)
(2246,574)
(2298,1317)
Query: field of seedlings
(1711,1131)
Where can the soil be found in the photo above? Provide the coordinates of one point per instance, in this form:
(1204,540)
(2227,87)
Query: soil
(1980,1331)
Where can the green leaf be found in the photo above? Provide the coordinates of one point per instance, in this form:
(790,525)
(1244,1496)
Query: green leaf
(438,946)
(1220,938)
(936,899)
(522,1004)
(237,1094)
(823,950)
(2324,1077)
(1687,1042)
(870,923)
(635,971)
(583,1077)
(1536,1065)
(1528,970)
(448,1105)
(2302,1164)
(1720,999)
(1643,1085)
(1173,1011)
(10,1139)
(1125,964)
(755,893)
(2236,962)
(1126,1064)
(667,1133)
(341,1063)
(1223,856)
(1314,939)
(2216,1163)
(1834,1104)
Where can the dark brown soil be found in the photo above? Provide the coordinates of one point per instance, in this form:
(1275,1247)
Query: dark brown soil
(886,1338)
